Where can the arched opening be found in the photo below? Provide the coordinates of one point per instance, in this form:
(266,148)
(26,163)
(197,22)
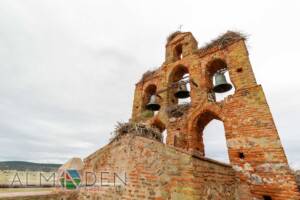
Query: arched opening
(188,87)
(179,82)
(164,135)
(149,91)
(211,137)
(178,52)
(162,128)
(215,141)
(218,80)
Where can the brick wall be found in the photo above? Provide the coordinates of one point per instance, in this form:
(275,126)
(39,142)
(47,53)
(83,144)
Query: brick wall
(253,144)
(158,171)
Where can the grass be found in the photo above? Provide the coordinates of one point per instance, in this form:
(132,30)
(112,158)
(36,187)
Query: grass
(10,190)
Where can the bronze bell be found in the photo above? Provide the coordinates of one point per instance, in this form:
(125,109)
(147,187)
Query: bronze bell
(221,85)
(182,92)
(153,105)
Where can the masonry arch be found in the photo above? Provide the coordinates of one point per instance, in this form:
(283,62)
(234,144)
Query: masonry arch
(214,140)
(178,52)
(212,68)
(157,123)
(147,93)
(205,119)
(178,73)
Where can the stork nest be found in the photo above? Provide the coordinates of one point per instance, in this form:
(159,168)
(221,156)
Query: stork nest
(177,110)
(147,74)
(223,40)
(173,35)
(137,129)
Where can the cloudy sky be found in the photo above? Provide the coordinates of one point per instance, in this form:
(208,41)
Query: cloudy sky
(68,67)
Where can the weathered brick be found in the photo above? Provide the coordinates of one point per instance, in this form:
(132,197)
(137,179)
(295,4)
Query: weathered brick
(248,122)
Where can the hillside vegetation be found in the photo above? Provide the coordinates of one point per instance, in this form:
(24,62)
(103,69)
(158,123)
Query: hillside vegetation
(28,166)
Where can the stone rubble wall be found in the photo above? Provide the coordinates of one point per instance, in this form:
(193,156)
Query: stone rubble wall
(157,171)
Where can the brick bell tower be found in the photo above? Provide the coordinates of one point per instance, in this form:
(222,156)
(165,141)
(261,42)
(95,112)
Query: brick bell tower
(253,144)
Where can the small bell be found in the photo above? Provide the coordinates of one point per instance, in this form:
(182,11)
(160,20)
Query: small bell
(182,92)
(221,85)
(153,105)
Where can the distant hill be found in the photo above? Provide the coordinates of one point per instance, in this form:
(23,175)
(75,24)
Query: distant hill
(29,166)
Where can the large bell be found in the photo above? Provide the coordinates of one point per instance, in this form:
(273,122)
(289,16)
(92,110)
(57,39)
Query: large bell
(182,92)
(221,85)
(153,105)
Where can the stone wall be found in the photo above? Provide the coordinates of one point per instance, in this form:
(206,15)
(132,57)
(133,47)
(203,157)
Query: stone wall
(157,171)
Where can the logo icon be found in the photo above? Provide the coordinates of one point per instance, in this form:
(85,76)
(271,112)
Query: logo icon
(70,179)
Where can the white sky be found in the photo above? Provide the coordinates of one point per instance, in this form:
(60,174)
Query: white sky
(68,68)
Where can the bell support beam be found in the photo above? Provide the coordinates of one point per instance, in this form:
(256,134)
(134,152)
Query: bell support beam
(176,84)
